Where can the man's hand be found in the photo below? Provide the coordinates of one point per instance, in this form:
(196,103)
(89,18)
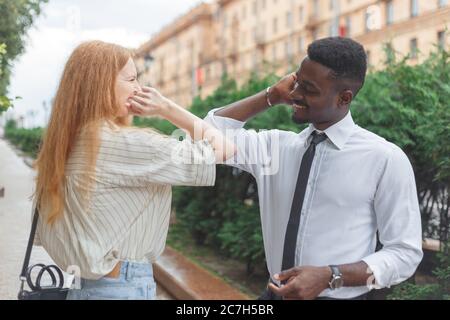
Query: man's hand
(247,108)
(303,283)
(279,93)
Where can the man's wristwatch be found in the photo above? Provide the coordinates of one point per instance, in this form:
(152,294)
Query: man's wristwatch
(336,280)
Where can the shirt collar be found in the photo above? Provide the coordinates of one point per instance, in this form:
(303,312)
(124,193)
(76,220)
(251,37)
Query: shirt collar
(339,133)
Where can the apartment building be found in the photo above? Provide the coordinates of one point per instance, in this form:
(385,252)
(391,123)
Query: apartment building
(188,57)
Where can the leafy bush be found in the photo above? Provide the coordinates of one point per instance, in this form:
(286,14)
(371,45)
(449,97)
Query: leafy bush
(409,106)
(241,234)
(434,291)
(28,140)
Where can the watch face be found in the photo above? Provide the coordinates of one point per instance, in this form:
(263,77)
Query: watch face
(338,282)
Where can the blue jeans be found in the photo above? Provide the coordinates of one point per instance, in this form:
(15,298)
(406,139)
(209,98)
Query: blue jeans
(134,283)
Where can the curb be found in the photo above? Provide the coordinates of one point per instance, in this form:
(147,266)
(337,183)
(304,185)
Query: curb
(185,280)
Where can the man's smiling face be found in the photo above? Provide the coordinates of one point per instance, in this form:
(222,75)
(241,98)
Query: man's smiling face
(315,96)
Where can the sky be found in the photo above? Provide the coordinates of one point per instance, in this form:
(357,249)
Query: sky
(62,26)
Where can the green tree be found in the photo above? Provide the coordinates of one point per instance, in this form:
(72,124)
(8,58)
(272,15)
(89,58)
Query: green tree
(16,17)
(5,102)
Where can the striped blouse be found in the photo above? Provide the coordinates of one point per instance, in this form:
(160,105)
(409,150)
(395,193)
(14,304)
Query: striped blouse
(127,216)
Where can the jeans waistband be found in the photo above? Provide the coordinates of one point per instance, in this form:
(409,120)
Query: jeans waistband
(129,270)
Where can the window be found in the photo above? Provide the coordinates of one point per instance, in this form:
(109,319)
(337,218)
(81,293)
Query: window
(348,26)
(263,4)
(414,8)
(288,48)
(389,12)
(274,52)
(372,18)
(368,57)
(275,25)
(413,48)
(332,30)
(367,17)
(255,7)
(315,34)
(243,62)
(331,5)
(301,44)
(300,14)
(443,3)
(316,8)
(255,60)
(244,11)
(441,39)
(208,73)
(289,19)
(225,21)
(390,53)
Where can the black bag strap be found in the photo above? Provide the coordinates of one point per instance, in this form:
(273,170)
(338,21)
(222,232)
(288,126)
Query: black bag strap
(26,261)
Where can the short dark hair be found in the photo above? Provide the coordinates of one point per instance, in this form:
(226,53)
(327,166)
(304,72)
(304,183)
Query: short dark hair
(345,57)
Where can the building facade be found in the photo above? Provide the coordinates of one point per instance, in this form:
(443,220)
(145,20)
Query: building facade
(238,37)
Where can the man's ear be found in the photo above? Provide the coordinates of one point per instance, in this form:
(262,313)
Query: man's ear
(345,98)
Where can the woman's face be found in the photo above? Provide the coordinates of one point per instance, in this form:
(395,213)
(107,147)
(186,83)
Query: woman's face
(126,86)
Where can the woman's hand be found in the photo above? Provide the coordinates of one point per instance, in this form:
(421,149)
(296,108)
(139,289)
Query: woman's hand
(149,102)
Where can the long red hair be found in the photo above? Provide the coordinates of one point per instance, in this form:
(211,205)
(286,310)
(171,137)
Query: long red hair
(85,98)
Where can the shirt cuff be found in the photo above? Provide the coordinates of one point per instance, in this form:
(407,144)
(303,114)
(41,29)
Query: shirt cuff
(223,122)
(384,272)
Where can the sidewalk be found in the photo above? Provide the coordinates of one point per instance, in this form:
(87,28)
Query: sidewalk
(15,220)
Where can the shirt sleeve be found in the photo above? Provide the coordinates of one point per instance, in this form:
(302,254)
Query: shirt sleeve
(257,152)
(399,223)
(140,157)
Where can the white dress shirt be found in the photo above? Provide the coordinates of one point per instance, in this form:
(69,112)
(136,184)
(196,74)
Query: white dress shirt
(359,183)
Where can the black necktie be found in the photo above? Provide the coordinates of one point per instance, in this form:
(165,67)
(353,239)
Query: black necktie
(290,239)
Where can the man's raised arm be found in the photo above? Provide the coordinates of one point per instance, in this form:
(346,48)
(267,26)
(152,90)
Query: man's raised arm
(247,108)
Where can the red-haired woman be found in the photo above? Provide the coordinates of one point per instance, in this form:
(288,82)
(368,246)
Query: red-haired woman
(103,187)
